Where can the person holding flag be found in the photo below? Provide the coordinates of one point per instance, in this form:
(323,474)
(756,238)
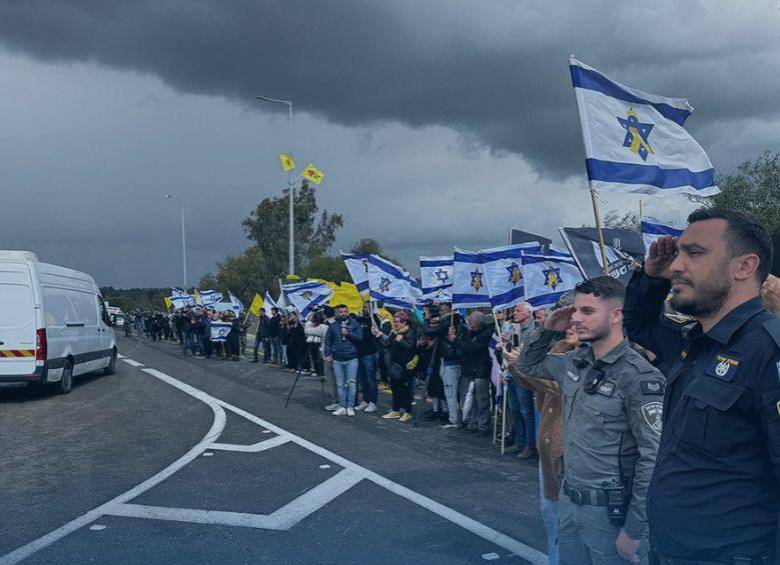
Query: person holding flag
(402,360)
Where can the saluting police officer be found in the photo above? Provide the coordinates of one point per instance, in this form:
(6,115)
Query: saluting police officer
(611,426)
(715,493)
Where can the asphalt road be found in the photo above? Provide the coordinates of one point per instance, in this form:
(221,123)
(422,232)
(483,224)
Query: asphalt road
(177,460)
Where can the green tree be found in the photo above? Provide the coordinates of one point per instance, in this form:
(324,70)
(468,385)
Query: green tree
(623,220)
(208,282)
(754,188)
(243,275)
(267,227)
(329,268)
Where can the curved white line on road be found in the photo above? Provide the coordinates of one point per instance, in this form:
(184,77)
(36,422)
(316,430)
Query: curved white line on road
(117,506)
(37,545)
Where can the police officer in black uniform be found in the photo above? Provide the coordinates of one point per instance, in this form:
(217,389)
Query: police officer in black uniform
(715,492)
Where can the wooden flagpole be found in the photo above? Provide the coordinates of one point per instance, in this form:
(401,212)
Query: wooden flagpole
(601,233)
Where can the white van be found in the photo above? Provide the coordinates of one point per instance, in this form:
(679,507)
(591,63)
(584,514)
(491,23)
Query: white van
(53,323)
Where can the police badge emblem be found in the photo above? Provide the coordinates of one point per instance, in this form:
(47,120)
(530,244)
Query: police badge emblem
(653,415)
(722,368)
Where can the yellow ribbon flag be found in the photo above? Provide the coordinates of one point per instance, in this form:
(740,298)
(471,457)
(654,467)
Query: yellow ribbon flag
(313,174)
(287,162)
(256,306)
(168,302)
(385,315)
(347,294)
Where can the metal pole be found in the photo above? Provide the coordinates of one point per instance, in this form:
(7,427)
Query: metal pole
(292,199)
(183,248)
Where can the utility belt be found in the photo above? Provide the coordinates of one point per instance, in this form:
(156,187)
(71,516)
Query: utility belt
(615,499)
(656,559)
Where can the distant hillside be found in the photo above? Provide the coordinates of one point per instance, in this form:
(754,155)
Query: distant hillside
(135,298)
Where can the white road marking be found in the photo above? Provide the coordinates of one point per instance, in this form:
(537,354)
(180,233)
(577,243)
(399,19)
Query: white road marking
(255,447)
(120,356)
(267,431)
(491,556)
(284,518)
(324,466)
(131,362)
(208,454)
(97,527)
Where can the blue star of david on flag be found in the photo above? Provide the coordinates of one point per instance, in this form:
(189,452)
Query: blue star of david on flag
(384,285)
(515,276)
(442,276)
(636,134)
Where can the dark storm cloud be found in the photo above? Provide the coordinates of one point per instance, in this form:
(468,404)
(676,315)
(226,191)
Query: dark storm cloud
(494,71)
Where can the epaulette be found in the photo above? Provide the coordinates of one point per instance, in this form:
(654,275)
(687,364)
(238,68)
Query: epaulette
(638,360)
(773,329)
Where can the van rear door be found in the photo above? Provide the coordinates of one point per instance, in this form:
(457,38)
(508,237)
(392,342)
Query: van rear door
(17,320)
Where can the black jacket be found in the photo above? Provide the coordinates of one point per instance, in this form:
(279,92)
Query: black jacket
(475,352)
(263,327)
(400,353)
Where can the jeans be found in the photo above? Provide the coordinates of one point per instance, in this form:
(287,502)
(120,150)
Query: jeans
(521,405)
(346,381)
(187,342)
(276,350)
(266,348)
(367,371)
(450,376)
(550,511)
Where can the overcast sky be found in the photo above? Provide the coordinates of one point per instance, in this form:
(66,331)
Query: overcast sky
(437,123)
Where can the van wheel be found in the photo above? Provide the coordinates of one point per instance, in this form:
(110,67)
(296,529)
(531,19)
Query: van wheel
(111,369)
(64,385)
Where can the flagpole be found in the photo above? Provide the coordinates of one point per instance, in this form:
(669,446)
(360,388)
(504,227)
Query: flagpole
(641,213)
(601,233)
(290,181)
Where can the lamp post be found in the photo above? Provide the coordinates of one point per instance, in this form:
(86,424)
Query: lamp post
(183,240)
(289,180)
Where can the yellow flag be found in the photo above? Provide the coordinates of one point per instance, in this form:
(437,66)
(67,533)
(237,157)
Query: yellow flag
(168,302)
(287,162)
(257,304)
(385,314)
(313,174)
(346,294)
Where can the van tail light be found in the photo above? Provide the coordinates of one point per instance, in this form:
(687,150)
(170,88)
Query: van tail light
(40,344)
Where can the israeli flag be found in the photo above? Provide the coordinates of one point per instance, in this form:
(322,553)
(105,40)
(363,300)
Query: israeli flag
(441,295)
(209,297)
(391,284)
(269,304)
(305,296)
(181,298)
(504,273)
(653,229)
(219,331)
(235,304)
(547,278)
(635,141)
(435,273)
(357,265)
(468,280)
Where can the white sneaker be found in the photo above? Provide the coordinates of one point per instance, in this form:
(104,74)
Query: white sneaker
(371,407)
(350,411)
(362,406)
(340,412)
(332,407)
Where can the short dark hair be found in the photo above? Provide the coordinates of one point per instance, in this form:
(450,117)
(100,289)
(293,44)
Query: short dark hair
(602,287)
(342,306)
(745,234)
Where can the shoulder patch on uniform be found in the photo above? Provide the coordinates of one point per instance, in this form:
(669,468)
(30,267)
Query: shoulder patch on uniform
(653,415)
(652,388)
(772,327)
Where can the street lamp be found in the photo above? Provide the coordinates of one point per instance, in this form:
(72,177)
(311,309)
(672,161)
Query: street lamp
(183,240)
(289,180)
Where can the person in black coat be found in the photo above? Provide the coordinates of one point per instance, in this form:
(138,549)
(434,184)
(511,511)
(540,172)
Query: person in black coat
(474,345)
(296,348)
(402,360)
